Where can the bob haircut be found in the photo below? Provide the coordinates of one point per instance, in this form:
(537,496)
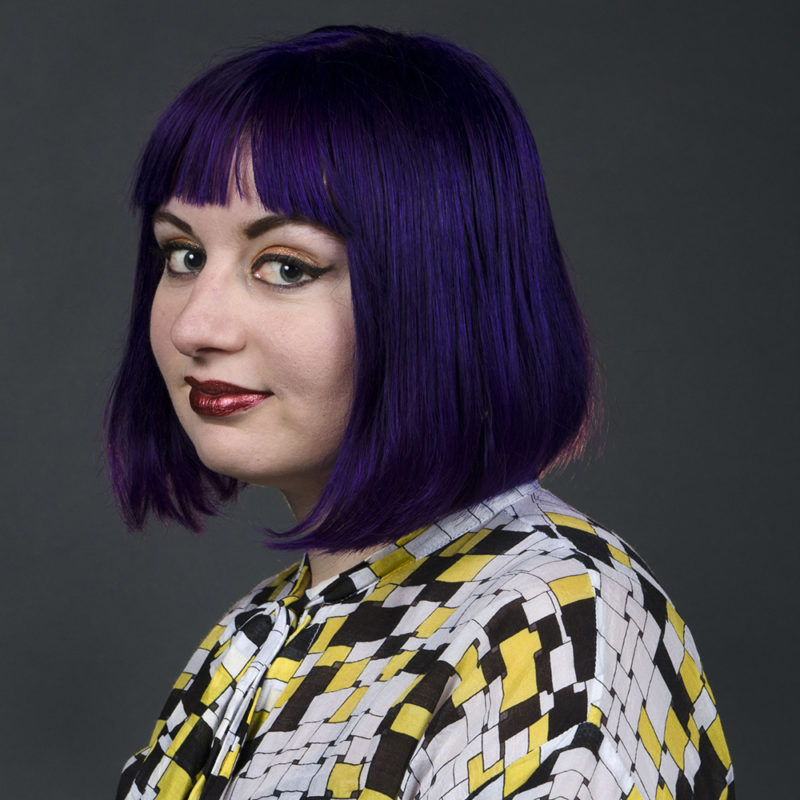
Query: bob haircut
(473,369)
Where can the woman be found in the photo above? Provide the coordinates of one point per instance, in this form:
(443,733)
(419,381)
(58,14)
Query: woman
(349,287)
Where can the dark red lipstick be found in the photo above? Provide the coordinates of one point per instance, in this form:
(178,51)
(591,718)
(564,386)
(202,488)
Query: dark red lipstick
(219,399)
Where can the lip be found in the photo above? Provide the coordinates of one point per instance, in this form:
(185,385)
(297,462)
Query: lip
(220,398)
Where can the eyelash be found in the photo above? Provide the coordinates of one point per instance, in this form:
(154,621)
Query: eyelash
(283,259)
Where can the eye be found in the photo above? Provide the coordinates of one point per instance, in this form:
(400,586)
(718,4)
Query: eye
(180,259)
(285,271)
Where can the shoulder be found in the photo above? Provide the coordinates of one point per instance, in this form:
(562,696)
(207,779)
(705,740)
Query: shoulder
(582,634)
(554,557)
(592,600)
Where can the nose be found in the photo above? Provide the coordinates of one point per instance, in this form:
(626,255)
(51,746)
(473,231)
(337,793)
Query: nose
(211,318)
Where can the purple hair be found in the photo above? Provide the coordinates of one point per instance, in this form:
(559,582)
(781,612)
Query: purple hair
(474,371)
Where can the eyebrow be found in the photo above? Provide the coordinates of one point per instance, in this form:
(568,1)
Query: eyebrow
(252,230)
(165,216)
(266,224)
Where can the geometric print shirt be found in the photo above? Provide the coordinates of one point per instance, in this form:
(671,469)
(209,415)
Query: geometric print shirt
(513,650)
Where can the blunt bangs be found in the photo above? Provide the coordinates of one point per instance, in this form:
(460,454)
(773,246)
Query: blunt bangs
(473,369)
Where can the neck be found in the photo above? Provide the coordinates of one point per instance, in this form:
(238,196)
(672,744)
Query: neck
(323,564)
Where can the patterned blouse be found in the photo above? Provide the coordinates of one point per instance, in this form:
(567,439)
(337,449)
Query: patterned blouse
(515,649)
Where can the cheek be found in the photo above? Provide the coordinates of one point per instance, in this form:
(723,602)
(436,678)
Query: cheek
(318,356)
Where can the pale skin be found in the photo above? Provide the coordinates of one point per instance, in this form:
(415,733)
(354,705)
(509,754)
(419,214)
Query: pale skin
(262,302)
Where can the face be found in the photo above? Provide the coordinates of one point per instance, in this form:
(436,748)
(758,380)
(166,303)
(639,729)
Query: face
(252,329)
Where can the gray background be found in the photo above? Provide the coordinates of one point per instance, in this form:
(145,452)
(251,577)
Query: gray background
(668,134)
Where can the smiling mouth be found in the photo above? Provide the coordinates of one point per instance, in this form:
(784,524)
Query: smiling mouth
(220,399)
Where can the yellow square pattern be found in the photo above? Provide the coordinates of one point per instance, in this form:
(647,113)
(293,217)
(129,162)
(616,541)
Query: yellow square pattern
(411,720)
(519,771)
(329,629)
(344,780)
(571,588)
(675,737)
(465,569)
(478,775)
(471,674)
(571,522)
(434,622)
(518,651)
(346,709)
(649,738)
(619,555)
(347,675)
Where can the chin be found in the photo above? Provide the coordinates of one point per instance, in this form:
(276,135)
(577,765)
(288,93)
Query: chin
(291,465)
(287,478)
(235,469)
(224,462)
